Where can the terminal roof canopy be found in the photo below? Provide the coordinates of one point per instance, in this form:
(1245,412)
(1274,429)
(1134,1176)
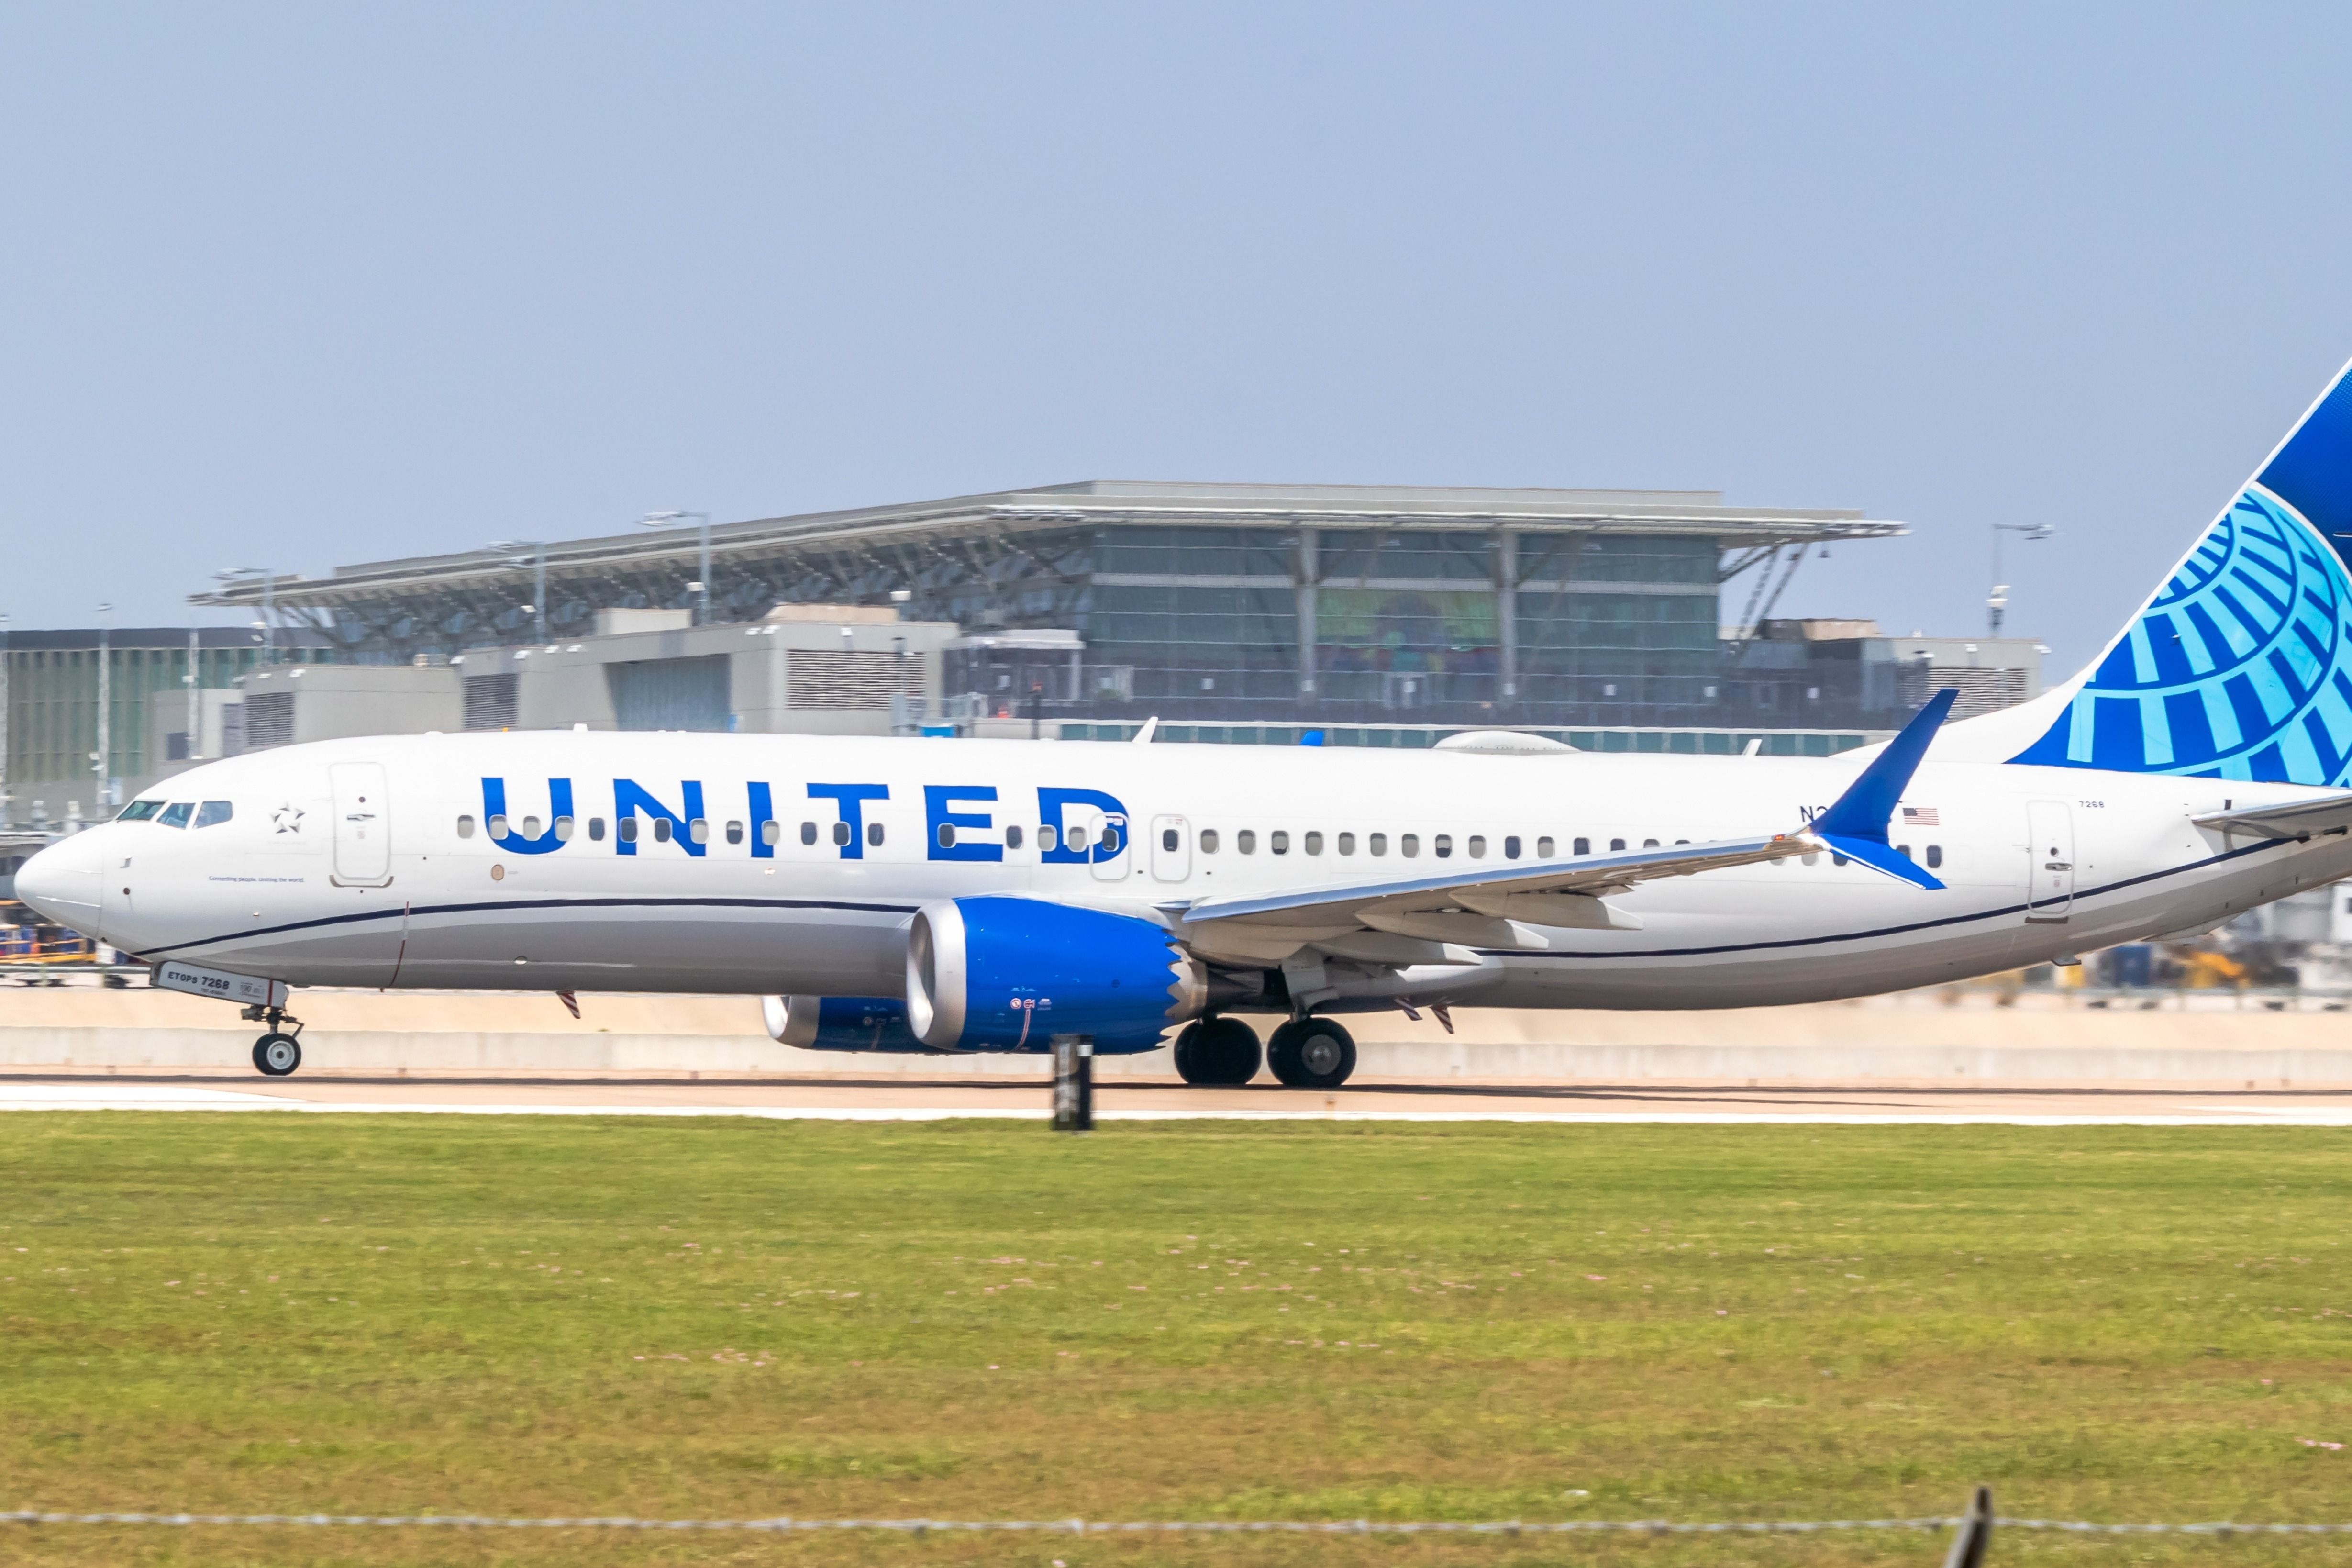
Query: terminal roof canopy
(893,536)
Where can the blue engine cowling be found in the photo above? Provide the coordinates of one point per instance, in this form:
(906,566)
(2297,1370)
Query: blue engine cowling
(840,1023)
(1010,974)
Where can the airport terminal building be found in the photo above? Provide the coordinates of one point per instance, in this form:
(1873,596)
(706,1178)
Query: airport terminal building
(1239,604)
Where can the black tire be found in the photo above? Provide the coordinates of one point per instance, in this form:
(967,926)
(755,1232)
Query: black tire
(276,1055)
(1311,1053)
(1217,1053)
(1188,1056)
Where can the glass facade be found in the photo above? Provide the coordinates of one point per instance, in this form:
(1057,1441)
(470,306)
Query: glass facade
(1406,623)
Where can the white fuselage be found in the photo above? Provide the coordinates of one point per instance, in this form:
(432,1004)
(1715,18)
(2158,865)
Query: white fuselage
(347,863)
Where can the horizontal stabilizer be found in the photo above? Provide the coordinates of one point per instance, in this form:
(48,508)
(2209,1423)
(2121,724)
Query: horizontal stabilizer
(2329,813)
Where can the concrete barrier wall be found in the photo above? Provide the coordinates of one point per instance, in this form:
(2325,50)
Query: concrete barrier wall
(2041,1041)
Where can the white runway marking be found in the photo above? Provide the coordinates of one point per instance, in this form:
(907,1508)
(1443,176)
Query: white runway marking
(140,1097)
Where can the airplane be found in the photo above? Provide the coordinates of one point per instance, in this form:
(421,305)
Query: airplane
(919,894)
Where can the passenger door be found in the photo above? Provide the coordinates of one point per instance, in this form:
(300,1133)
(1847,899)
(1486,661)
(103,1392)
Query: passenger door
(2049,859)
(1171,848)
(362,825)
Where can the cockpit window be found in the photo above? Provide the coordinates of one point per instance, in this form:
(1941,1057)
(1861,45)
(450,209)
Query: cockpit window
(139,810)
(214,811)
(176,814)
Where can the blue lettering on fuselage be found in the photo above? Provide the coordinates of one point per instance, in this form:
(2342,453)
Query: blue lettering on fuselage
(494,809)
(942,819)
(1052,803)
(941,826)
(629,798)
(851,799)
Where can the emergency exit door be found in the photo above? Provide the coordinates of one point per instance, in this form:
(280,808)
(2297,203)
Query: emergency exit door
(2050,859)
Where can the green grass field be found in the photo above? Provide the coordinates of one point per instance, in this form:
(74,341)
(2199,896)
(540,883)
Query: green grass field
(723,1317)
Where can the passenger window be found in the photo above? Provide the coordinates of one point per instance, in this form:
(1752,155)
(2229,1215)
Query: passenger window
(1408,845)
(841,834)
(1935,855)
(1013,836)
(1682,840)
(1046,837)
(1346,844)
(1169,840)
(563,830)
(1208,841)
(1477,846)
(629,828)
(139,810)
(1073,838)
(499,825)
(772,832)
(1314,844)
(531,827)
(698,830)
(1278,841)
(1511,848)
(595,830)
(734,833)
(465,827)
(1903,851)
(1443,846)
(213,812)
(808,832)
(1836,860)
(661,829)
(1616,844)
(1108,844)
(1379,844)
(1649,844)
(946,834)
(873,834)
(1246,841)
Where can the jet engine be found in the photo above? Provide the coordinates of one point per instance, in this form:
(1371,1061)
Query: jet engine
(1010,974)
(840,1023)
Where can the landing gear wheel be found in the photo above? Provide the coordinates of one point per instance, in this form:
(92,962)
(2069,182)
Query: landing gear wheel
(276,1055)
(1220,1053)
(1311,1053)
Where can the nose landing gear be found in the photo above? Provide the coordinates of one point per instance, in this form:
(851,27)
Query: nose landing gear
(277,1053)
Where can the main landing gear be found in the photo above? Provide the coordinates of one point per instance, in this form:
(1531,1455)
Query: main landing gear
(1311,1053)
(277,1053)
(1305,1053)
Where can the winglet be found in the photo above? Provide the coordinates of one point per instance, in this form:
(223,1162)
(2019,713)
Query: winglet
(1856,824)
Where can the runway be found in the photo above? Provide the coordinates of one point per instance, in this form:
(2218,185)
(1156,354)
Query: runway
(783,1097)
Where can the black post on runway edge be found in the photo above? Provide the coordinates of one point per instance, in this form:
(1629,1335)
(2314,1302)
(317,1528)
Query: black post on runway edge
(1975,1533)
(1074,1083)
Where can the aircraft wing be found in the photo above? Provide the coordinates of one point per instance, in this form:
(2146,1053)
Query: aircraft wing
(2329,813)
(1413,920)
(1486,906)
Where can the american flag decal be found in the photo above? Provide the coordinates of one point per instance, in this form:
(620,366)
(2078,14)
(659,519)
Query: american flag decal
(1921,817)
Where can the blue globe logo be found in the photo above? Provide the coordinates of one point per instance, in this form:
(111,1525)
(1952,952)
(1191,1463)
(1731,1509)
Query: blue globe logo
(2239,667)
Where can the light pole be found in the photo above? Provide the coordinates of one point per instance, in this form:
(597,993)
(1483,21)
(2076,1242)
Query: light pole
(702,520)
(4,721)
(1998,600)
(104,754)
(268,622)
(538,560)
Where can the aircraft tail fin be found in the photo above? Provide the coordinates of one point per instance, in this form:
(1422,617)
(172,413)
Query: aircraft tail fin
(2239,666)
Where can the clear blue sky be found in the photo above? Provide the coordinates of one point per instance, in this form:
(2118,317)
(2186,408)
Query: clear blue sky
(306,285)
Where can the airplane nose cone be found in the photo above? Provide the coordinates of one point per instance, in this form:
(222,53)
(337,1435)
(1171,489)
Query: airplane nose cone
(60,883)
